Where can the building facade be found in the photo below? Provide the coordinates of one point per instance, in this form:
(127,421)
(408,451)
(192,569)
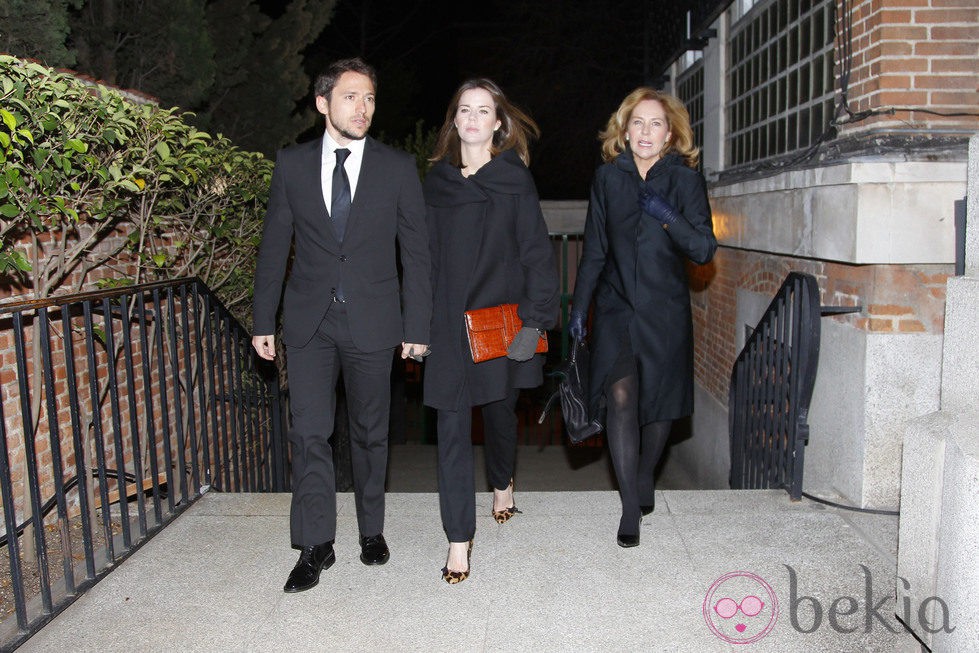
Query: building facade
(835,136)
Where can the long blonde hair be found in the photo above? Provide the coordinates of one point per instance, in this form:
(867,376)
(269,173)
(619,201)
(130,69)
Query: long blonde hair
(516,127)
(677,117)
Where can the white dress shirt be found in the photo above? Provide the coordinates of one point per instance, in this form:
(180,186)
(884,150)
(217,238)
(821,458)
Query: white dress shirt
(351,165)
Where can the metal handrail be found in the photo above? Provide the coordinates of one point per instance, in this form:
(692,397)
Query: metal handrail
(131,404)
(771,387)
(217,422)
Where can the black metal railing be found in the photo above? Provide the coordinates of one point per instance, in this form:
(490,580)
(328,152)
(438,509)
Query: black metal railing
(161,377)
(771,387)
(568,244)
(121,408)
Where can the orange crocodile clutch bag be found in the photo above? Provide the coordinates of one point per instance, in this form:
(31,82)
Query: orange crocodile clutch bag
(491,330)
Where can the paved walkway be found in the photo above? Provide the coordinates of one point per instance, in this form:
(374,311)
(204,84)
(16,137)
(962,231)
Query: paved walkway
(539,469)
(551,579)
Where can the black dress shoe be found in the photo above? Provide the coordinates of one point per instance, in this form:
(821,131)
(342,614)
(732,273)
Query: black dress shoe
(374,550)
(627,541)
(312,560)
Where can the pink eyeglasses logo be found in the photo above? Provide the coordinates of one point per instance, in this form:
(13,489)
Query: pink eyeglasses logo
(740,607)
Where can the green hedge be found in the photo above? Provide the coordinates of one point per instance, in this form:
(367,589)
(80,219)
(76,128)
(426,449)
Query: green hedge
(82,165)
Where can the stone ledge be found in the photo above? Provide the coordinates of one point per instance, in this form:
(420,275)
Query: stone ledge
(865,212)
(564,216)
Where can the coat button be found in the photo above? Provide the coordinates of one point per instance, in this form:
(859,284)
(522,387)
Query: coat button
(343,258)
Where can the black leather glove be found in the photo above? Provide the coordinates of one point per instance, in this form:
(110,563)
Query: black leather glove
(576,325)
(524,344)
(656,205)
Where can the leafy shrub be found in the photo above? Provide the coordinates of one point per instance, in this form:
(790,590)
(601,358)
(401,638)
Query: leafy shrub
(98,187)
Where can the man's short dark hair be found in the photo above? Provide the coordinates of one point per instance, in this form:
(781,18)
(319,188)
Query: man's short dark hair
(327,80)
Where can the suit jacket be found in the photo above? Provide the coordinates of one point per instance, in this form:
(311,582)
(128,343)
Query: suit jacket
(387,209)
(636,272)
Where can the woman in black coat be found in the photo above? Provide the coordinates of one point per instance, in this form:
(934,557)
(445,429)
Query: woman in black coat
(647,215)
(489,247)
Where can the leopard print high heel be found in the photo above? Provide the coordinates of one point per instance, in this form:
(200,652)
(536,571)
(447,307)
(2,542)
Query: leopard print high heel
(456,577)
(503,516)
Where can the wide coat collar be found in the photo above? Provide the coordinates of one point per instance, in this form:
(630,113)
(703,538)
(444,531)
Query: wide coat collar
(626,163)
(504,174)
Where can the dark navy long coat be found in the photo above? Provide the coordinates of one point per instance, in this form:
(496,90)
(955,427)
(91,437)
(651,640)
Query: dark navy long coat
(489,246)
(634,269)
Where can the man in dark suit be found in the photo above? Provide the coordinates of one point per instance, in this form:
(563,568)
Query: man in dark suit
(343,202)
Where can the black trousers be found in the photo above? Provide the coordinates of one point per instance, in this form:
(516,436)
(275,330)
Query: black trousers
(456,474)
(313,371)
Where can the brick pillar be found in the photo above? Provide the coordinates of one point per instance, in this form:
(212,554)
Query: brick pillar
(911,54)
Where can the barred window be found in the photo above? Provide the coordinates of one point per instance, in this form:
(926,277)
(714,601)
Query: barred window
(780,78)
(690,90)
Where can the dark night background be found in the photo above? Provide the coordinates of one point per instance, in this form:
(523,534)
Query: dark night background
(568,64)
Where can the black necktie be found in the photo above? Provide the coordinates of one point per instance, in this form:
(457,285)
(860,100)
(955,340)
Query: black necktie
(340,210)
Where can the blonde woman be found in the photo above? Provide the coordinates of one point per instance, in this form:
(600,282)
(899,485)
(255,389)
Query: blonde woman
(647,216)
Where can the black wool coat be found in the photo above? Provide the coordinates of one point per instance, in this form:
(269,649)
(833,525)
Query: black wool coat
(489,246)
(635,270)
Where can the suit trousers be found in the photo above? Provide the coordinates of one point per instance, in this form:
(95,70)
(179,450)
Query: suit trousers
(456,474)
(313,370)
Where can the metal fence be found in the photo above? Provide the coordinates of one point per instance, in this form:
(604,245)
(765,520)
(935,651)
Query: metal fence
(771,387)
(118,410)
(568,243)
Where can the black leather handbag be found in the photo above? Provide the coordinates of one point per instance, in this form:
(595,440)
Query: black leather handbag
(572,393)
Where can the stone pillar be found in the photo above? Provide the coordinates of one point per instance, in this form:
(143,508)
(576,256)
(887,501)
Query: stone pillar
(938,539)
(972,210)
(958,540)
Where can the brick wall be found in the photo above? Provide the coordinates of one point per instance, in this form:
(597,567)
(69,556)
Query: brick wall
(50,246)
(895,299)
(913,54)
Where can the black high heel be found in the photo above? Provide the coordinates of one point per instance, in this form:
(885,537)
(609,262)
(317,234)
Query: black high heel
(651,506)
(627,537)
(627,541)
(456,577)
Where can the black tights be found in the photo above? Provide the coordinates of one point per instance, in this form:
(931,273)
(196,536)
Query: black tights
(635,450)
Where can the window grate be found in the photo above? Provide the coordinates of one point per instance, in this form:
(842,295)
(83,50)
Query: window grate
(781,78)
(690,90)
